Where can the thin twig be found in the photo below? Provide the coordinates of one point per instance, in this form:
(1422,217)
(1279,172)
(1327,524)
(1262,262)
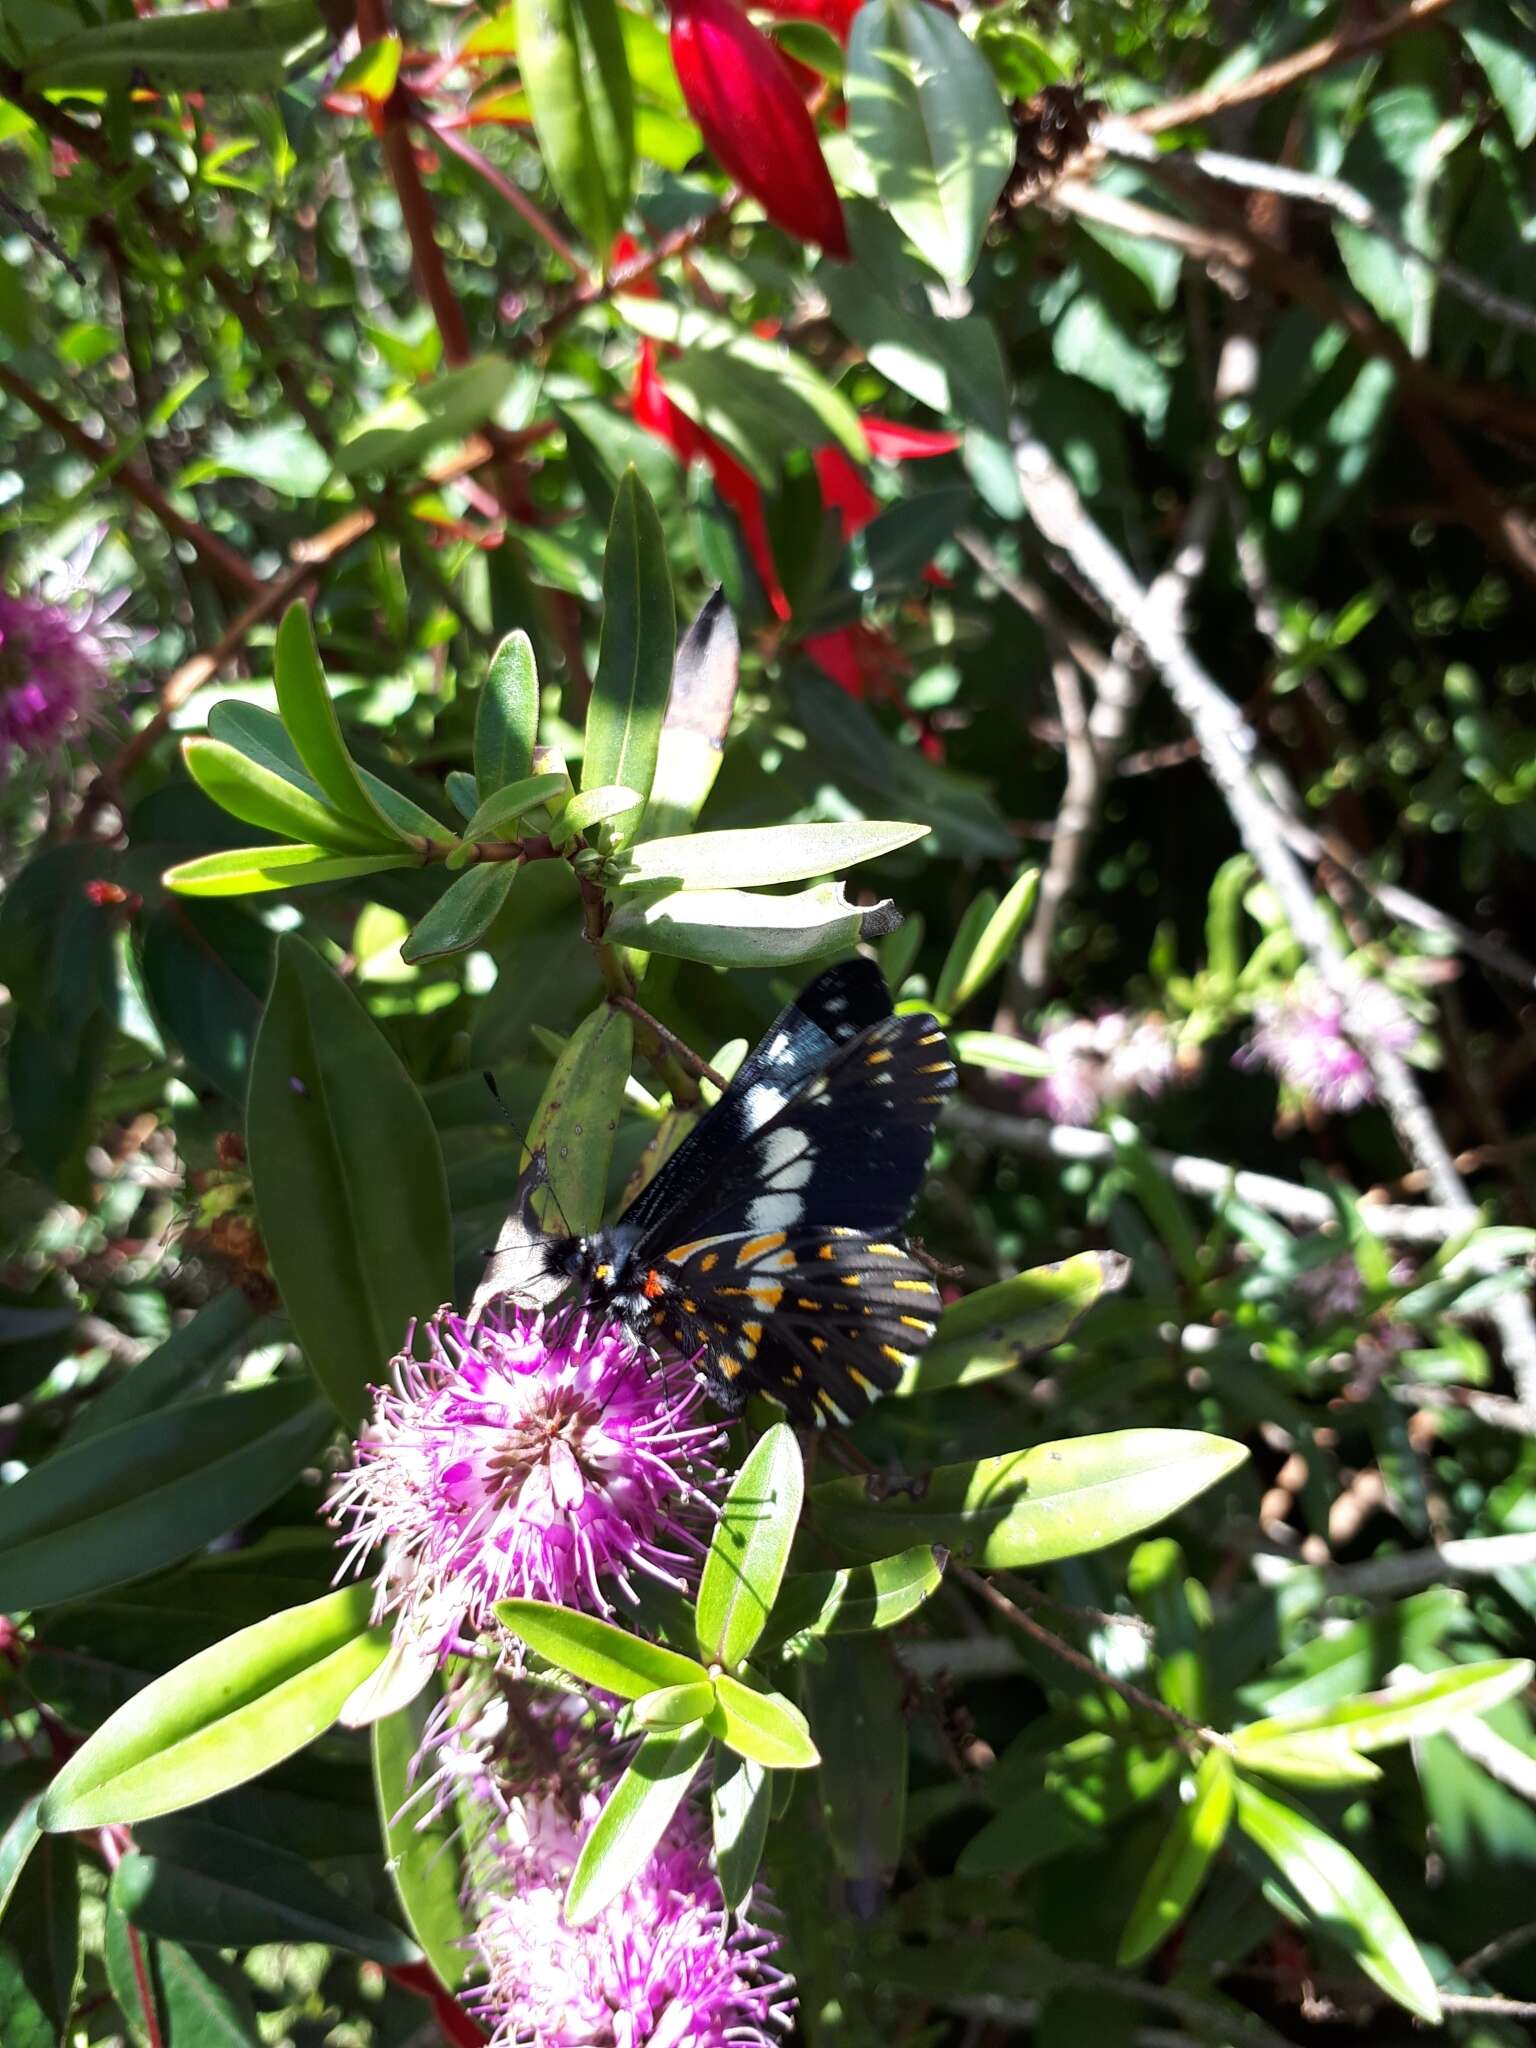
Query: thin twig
(625,276)
(532,216)
(1133,1696)
(1210,1179)
(1228,746)
(44,237)
(1285,72)
(216,555)
(677,1047)
(1333,195)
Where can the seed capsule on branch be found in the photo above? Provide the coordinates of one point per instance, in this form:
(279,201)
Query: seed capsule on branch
(742,93)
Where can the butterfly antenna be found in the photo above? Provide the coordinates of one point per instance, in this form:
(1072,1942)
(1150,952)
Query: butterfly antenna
(527,1144)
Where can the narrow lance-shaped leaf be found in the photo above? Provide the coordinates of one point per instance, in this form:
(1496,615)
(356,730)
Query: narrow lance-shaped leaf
(925,111)
(857,1598)
(578,1116)
(41,1949)
(505,806)
(740,928)
(761,855)
(463,914)
(348,1177)
(152,1490)
(740,1805)
(576,74)
(256,796)
(634,657)
(250,48)
(252,870)
(856,1709)
(704,679)
(996,940)
(1183,1861)
(595,1651)
(750,1548)
(1326,1888)
(989,1331)
(978,914)
(674,1706)
(634,1818)
(223,1717)
(1407,1712)
(424,1856)
(1027,1507)
(507,717)
(309,717)
(764,1726)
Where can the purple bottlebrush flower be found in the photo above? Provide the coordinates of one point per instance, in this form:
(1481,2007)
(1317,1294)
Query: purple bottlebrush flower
(544,1457)
(1300,1037)
(665,1965)
(1100,1062)
(53,668)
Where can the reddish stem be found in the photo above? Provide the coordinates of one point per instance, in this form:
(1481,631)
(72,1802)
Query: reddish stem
(518,200)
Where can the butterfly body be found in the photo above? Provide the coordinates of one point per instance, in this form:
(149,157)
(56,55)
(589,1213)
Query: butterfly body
(767,1248)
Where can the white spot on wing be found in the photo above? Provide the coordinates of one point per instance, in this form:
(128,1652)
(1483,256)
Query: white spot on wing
(773,1212)
(782,1051)
(781,1148)
(762,1102)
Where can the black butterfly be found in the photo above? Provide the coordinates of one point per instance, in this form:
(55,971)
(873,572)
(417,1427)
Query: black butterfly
(768,1246)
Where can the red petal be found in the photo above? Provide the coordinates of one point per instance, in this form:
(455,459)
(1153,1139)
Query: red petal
(742,93)
(894,441)
(844,489)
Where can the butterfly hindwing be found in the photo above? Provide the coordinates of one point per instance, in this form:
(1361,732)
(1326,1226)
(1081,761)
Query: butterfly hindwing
(822,1320)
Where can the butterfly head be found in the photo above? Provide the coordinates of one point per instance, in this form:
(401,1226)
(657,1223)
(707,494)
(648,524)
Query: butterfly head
(597,1267)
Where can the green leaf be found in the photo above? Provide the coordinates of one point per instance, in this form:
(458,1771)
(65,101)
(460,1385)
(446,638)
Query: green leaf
(634,1818)
(1074,1794)
(593,806)
(263,738)
(1029,1507)
(55,944)
(424,1858)
(197,2001)
(990,1331)
(373,71)
(206,967)
(750,1548)
(762,1726)
(595,1651)
(1328,1890)
(248,870)
(1318,1757)
(578,1116)
(136,1498)
(973,923)
(348,1178)
(401,436)
(992,946)
(741,1804)
(197,1881)
(737,928)
(223,1717)
(40,1949)
(250,47)
(464,913)
(856,1708)
(573,67)
(1002,1055)
(1409,1712)
(674,1706)
(926,113)
(256,796)
(1183,1862)
(858,1598)
(309,718)
(634,656)
(22,1786)
(506,805)
(507,717)
(761,855)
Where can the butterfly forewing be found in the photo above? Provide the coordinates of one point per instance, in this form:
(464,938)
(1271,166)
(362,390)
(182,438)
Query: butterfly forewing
(829,1012)
(820,1319)
(850,1147)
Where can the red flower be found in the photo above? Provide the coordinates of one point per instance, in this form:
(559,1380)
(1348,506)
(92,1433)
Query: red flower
(834,15)
(742,93)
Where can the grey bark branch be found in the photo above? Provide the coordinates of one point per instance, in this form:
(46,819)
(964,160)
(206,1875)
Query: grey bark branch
(1210,1180)
(1229,748)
